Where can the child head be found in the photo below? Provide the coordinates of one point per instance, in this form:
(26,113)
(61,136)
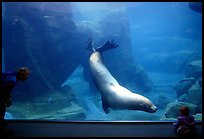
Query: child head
(184,111)
(23,73)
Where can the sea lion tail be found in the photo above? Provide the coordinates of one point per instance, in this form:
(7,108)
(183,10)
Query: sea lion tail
(106,46)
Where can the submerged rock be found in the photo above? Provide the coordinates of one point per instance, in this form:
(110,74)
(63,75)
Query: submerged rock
(47,111)
(172,109)
(73,112)
(53,105)
(183,85)
(194,96)
(14,115)
(189,90)
(43,40)
(162,102)
(194,69)
(195,6)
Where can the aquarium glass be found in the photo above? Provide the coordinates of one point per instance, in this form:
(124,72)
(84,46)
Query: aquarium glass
(103,61)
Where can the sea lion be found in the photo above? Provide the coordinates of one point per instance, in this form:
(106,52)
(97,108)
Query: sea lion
(112,93)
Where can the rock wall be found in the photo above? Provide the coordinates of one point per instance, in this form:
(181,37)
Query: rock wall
(188,90)
(44,37)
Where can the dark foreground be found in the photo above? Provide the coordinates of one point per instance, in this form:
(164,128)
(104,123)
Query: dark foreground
(41,128)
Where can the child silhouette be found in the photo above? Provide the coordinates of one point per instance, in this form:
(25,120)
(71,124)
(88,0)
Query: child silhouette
(185,124)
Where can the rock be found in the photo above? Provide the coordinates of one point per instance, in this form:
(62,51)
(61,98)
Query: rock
(195,6)
(194,69)
(172,109)
(198,116)
(46,46)
(194,95)
(73,112)
(41,110)
(51,105)
(162,102)
(14,115)
(178,59)
(200,81)
(183,85)
(142,79)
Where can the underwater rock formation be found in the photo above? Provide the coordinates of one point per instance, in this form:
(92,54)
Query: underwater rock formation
(194,69)
(195,6)
(43,40)
(172,109)
(194,96)
(73,112)
(183,86)
(189,89)
(128,70)
(51,106)
(162,102)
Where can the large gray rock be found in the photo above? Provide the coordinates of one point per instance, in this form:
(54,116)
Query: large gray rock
(183,85)
(172,109)
(162,102)
(50,106)
(194,69)
(194,96)
(43,39)
(73,112)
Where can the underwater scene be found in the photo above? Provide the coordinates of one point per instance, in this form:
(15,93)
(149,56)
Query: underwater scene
(104,61)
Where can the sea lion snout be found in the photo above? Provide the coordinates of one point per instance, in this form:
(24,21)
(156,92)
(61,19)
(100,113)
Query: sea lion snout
(153,109)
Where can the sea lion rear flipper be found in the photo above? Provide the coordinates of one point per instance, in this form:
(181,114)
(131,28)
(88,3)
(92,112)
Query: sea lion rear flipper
(105,107)
(89,45)
(108,45)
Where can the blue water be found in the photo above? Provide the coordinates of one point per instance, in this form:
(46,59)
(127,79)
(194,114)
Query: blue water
(164,27)
(160,37)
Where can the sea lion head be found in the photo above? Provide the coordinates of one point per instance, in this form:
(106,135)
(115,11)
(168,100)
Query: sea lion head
(151,108)
(146,105)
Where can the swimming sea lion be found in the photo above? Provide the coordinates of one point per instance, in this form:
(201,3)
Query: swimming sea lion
(112,93)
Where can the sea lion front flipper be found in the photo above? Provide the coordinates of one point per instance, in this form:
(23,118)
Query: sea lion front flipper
(105,107)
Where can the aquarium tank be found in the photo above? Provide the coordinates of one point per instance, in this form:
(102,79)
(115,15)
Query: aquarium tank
(103,61)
